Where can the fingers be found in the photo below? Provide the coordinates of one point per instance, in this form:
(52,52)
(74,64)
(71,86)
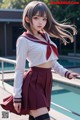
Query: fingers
(73,75)
(17,107)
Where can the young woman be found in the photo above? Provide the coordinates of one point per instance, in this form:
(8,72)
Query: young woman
(32,90)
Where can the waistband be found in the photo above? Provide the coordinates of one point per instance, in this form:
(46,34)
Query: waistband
(40,69)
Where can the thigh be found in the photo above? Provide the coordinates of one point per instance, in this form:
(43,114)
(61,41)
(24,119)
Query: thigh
(39,111)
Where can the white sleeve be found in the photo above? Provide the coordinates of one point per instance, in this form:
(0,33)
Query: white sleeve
(21,54)
(59,68)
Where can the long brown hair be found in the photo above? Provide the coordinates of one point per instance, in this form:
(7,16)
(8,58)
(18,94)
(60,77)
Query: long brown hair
(52,27)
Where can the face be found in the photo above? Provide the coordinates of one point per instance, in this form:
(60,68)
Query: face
(38,22)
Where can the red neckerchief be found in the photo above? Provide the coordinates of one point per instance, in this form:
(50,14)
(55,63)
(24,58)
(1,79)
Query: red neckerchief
(49,45)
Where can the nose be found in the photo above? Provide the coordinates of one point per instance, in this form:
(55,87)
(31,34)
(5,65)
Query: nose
(40,21)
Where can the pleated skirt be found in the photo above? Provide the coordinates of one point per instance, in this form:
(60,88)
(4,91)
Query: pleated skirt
(36,91)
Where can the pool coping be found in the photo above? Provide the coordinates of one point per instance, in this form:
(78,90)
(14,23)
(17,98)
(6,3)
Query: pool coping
(73,82)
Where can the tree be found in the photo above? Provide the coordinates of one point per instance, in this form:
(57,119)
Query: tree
(69,13)
(18,4)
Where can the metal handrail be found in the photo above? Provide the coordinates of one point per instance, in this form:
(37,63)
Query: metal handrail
(8,60)
(2,60)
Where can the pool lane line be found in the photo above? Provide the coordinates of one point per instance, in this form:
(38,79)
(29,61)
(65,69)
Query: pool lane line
(68,110)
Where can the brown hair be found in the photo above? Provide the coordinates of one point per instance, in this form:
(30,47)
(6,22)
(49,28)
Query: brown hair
(52,27)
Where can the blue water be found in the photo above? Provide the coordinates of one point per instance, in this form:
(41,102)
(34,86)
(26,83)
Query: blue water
(66,99)
(8,66)
(69,63)
(10,82)
(65,62)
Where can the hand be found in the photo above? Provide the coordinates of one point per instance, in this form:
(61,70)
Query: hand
(17,107)
(73,75)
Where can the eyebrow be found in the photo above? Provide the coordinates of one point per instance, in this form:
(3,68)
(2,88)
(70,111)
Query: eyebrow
(39,16)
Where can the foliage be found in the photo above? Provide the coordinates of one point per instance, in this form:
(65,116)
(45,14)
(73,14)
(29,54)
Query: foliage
(14,3)
(69,13)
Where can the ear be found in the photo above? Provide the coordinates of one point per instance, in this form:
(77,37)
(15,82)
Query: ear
(27,20)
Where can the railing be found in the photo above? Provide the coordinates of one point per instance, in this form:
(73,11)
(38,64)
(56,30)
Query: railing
(2,60)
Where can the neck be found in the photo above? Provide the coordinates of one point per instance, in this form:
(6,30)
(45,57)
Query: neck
(35,33)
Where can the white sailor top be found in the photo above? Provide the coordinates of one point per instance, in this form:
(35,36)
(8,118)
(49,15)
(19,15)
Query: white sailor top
(36,52)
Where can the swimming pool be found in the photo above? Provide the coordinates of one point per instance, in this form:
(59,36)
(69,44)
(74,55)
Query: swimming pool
(68,63)
(10,67)
(65,98)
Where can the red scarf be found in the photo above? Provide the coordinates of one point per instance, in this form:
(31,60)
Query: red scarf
(49,45)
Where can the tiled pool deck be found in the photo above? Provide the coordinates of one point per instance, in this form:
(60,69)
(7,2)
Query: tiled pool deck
(54,114)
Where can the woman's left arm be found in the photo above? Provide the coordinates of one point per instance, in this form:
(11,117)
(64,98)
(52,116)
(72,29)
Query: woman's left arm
(63,71)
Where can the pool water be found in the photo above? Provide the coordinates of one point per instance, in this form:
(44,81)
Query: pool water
(68,100)
(64,98)
(8,66)
(68,63)
(10,82)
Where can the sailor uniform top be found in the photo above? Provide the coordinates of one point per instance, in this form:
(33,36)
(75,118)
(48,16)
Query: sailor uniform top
(36,52)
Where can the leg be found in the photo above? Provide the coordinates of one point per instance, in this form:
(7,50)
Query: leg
(40,114)
(43,117)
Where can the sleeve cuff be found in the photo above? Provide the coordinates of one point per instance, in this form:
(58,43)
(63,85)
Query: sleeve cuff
(67,73)
(17,100)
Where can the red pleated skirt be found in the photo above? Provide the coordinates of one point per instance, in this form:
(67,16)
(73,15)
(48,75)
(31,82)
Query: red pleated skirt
(36,91)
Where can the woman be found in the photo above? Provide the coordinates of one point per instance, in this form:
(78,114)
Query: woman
(32,90)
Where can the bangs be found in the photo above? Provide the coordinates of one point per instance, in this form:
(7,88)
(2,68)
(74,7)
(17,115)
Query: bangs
(40,8)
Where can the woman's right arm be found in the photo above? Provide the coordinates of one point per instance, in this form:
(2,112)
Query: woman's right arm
(21,54)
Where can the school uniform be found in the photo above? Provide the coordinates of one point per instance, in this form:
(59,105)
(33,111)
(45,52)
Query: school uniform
(33,89)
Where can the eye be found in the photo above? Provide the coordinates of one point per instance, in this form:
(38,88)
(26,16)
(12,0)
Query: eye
(45,19)
(35,18)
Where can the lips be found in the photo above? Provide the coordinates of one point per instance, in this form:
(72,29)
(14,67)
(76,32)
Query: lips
(39,26)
